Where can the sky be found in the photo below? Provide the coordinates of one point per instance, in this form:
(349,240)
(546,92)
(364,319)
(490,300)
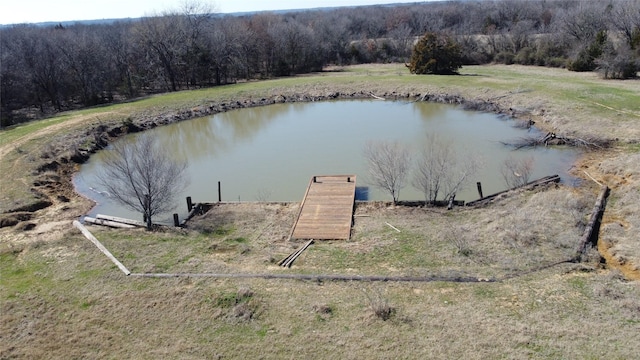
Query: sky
(35,11)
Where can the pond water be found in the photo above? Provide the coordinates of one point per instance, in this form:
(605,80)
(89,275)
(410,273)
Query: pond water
(269,153)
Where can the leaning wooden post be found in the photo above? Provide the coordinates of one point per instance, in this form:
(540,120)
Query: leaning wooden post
(479,184)
(219,192)
(189,204)
(176,220)
(97,243)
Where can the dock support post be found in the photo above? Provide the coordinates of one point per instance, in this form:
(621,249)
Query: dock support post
(189,203)
(479,184)
(176,220)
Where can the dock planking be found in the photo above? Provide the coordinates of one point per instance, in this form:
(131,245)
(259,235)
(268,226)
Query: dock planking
(326,212)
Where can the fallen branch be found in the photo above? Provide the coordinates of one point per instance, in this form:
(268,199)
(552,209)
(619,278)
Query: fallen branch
(393,227)
(553,139)
(591,177)
(377,97)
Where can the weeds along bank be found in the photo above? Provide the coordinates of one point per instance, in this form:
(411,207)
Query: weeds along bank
(39,164)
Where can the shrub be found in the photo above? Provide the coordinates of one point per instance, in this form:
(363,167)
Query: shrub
(504,57)
(380,306)
(618,64)
(526,56)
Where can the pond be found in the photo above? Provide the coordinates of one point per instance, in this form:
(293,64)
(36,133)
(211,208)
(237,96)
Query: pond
(269,153)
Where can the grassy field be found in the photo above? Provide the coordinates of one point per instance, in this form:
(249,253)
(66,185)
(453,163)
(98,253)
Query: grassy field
(61,298)
(64,299)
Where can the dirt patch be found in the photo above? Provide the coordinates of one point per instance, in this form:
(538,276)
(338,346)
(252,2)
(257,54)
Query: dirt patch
(629,270)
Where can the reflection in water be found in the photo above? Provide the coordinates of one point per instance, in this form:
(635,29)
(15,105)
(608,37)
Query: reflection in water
(215,135)
(269,153)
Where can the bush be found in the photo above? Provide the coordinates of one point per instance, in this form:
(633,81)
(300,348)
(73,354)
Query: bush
(505,57)
(526,56)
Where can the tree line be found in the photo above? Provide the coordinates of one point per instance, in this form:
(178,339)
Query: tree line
(49,69)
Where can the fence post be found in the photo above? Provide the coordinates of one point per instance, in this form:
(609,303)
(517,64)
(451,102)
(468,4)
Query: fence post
(479,189)
(176,220)
(189,204)
(219,192)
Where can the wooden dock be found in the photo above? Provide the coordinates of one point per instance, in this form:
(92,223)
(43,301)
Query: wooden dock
(326,212)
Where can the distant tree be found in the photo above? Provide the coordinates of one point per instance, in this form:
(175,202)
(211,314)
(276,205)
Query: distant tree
(585,20)
(163,39)
(435,54)
(389,164)
(626,19)
(142,176)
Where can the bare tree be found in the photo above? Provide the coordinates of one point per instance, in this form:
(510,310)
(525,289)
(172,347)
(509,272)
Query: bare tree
(389,164)
(517,172)
(142,176)
(441,171)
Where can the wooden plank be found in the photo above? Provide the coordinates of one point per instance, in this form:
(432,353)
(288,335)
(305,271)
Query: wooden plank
(291,258)
(531,184)
(121,220)
(108,223)
(326,211)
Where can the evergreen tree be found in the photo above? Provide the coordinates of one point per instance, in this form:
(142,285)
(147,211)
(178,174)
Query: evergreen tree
(435,54)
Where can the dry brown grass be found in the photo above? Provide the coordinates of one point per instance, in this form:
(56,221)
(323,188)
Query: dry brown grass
(63,299)
(60,298)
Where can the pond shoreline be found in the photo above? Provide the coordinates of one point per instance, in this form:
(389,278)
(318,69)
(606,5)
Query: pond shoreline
(51,180)
(98,137)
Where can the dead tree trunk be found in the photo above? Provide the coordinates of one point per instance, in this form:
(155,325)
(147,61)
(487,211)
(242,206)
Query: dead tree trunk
(590,235)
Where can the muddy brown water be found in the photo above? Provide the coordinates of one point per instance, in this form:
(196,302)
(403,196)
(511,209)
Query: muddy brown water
(269,153)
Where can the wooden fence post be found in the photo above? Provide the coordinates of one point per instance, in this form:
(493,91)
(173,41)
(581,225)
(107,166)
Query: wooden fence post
(219,192)
(479,184)
(189,203)
(176,220)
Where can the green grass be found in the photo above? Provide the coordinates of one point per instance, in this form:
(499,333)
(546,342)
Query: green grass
(9,135)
